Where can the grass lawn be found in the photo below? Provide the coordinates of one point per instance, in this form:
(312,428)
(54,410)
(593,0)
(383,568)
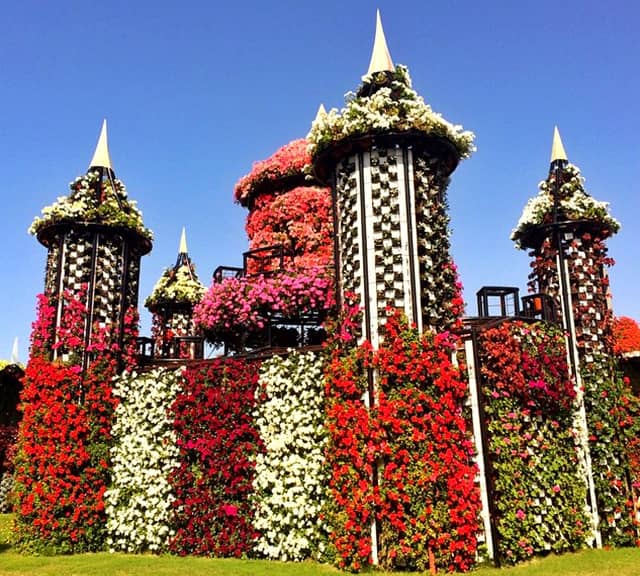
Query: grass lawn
(621,562)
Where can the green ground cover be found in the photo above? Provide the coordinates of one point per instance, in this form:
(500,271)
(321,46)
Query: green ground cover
(620,562)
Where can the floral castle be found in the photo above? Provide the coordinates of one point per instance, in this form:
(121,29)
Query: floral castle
(355,416)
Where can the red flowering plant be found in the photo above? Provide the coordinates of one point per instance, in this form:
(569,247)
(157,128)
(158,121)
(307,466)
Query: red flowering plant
(534,464)
(299,220)
(626,334)
(414,440)
(218,442)
(62,461)
(290,160)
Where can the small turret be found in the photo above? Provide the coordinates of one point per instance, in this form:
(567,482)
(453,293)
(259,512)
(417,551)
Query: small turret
(95,239)
(171,303)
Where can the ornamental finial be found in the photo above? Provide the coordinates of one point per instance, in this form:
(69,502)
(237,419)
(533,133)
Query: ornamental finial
(101,158)
(380,57)
(557,149)
(183,242)
(321,113)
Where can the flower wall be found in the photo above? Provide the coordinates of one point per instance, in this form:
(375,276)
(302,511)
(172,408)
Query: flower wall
(614,429)
(62,462)
(218,443)
(139,501)
(539,490)
(414,441)
(290,475)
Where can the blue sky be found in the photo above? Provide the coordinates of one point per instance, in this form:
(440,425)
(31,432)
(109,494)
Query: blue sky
(196,91)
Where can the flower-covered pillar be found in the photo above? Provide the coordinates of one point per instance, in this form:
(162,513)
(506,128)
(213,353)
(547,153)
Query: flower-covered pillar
(389,158)
(171,303)
(95,239)
(565,230)
(563,214)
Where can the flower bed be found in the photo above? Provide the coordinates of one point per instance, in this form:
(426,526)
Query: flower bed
(111,207)
(392,105)
(290,160)
(237,308)
(574,204)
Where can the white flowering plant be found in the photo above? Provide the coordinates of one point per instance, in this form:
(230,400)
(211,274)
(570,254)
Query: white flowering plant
(177,284)
(394,106)
(290,477)
(110,206)
(139,501)
(574,203)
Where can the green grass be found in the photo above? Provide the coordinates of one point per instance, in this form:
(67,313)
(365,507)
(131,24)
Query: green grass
(621,562)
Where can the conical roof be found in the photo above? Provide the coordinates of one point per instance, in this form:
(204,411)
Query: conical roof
(557,149)
(101,157)
(380,56)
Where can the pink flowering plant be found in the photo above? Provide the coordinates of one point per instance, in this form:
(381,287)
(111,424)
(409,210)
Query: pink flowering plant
(290,160)
(236,309)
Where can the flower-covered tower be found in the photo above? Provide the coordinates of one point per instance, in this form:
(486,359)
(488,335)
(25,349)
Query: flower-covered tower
(171,304)
(95,239)
(388,157)
(285,288)
(565,230)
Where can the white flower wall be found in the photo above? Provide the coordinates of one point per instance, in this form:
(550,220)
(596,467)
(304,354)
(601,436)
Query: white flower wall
(138,503)
(290,482)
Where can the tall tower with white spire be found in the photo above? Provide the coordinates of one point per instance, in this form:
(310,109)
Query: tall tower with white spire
(95,239)
(566,230)
(171,303)
(388,157)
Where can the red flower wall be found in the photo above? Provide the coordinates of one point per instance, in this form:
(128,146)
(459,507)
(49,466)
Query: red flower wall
(218,443)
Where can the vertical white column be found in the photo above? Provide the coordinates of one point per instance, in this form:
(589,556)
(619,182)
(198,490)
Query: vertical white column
(477,438)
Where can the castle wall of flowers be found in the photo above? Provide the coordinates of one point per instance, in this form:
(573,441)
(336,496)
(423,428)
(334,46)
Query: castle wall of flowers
(356,452)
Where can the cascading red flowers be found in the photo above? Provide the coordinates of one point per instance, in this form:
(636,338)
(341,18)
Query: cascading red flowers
(414,441)
(62,461)
(218,443)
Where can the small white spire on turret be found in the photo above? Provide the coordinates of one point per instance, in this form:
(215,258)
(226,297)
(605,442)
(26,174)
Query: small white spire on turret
(380,57)
(183,242)
(101,157)
(557,149)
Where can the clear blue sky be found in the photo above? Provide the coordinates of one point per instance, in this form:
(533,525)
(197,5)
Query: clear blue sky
(195,91)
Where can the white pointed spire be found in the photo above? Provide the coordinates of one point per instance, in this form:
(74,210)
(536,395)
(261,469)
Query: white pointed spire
(14,352)
(380,57)
(101,157)
(183,242)
(321,113)
(557,149)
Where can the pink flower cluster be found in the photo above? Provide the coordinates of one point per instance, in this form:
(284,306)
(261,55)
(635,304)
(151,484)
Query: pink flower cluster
(243,306)
(287,161)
